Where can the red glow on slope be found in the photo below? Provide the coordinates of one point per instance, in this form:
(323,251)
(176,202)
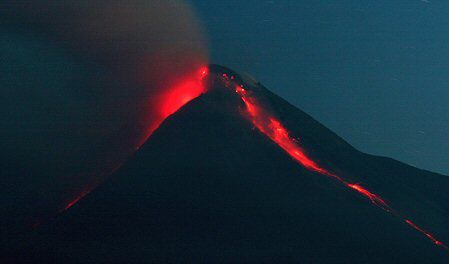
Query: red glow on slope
(182,93)
(73,202)
(376,199)
(273,128)
(170,102)
(204,71)
(430,236)
(240,90)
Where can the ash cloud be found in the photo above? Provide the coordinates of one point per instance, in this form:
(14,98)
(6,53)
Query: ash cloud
(80,83)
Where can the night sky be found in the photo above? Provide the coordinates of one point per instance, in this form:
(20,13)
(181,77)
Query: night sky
(375,72)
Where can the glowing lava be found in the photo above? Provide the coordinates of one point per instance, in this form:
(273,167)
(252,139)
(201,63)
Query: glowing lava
(182,93)
(169,102)
(375,199)
(273,128)
(430,236)
(73,202)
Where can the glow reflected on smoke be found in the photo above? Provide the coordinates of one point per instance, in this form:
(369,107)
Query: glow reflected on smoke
(170,102)
(136,63)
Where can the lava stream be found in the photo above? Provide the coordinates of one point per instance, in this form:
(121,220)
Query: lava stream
(273,128)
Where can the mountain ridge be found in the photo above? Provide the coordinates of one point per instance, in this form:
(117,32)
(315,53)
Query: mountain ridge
(208,166)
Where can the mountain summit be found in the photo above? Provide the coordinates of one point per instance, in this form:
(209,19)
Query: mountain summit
(239,174)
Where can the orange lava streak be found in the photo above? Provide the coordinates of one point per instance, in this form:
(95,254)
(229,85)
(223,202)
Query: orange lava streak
(376,199)
(73,202)
(273,128)
(430,236)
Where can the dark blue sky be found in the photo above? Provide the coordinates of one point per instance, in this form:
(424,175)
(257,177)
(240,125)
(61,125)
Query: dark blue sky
(375,72)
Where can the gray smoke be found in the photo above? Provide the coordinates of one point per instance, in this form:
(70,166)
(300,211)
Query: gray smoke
(79,80)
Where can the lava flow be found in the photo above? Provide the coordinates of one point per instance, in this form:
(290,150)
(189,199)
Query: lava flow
(273,128)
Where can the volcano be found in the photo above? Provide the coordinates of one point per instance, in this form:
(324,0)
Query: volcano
(239,174)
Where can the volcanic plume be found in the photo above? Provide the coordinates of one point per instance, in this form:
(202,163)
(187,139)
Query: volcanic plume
(240,174)
(85,84)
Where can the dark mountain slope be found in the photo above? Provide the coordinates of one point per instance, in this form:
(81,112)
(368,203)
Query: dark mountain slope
(419,194)
(207,186)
